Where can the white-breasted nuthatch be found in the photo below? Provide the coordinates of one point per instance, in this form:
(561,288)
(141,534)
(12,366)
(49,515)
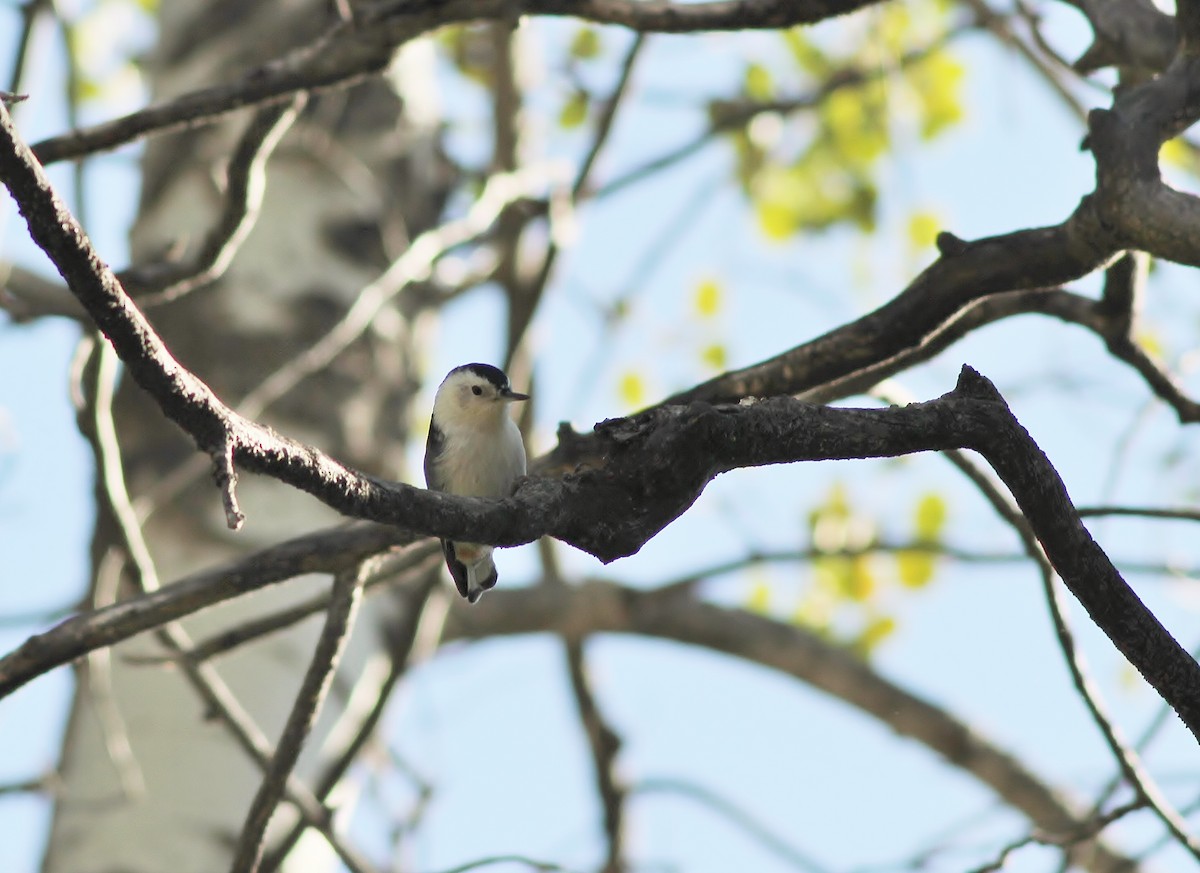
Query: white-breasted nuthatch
(474,450)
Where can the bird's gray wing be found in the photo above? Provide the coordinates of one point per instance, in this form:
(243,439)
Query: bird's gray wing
(458,570)
(435,444)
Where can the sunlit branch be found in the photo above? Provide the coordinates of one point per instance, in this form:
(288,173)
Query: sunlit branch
(344,599)
(245,185)
(364,45)
(403,633)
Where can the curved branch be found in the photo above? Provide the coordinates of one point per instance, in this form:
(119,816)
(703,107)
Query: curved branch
(603,607)
(650,468)
(1131,208)
(245,185)
(364,45)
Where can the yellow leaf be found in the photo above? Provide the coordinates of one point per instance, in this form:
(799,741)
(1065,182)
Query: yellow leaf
(860,581)
(1175,153)
(915,567)
(632,390)
(776,220)
(708,298)
(893,25)
(876,631)
(930,517)
(1150,342)
(807,55)
(858,131)
(923,229)
(760,597)
(574,111)
(585,45)
(714,356)
(758,83)
(938,83)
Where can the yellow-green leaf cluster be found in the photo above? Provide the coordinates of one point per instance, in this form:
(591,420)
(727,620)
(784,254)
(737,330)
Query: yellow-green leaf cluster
(822,171)
(937,82)
(585,44)
(915,567)
(852,591)
(632,390)
(575,111)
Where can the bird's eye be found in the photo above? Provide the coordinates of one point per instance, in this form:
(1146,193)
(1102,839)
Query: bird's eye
(476,390)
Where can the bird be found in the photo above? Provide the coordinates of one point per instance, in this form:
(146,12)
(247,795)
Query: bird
(474,450)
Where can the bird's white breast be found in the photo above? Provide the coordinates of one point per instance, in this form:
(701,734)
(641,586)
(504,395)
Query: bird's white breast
(482,462)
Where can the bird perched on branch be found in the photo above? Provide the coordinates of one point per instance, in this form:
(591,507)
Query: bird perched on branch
(474,450)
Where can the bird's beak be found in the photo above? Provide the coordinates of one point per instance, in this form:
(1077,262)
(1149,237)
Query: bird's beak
(509,394)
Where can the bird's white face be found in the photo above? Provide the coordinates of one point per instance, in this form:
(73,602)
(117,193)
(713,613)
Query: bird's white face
(466,399)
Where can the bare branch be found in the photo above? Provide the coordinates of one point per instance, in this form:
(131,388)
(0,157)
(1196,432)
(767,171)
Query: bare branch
(245,185)
(347,591)
(654,465)
(603,607)
(325,551)
(771,841)
(364,45)
(1126,756)
(403,633)
(1085,831)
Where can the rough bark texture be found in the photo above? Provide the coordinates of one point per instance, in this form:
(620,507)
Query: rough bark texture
(319,239)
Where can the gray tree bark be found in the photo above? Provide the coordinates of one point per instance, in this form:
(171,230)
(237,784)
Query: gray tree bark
(352,181)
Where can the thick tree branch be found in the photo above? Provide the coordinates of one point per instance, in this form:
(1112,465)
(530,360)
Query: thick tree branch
(652,467)
(1131,208)
(1132,34)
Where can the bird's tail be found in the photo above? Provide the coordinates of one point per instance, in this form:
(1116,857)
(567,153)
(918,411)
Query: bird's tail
(472,568)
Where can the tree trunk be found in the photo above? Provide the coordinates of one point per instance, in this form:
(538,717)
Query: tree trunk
(352,181)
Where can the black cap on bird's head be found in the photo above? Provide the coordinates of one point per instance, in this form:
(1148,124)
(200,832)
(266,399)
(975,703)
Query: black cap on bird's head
(491,374)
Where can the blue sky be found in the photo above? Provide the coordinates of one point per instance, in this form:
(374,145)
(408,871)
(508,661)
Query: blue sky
(491,724)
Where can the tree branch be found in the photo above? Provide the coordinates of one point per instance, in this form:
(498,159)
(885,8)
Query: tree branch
(363,45)
(347,591)
(1131,208)
(603,607)
(245,185)
(653,466)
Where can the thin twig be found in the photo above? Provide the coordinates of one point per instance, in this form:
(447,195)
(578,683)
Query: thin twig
(403,634)
(1127,758)
(345,595)
(1086,831)
(245,185)
(771,841)
(603,741)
